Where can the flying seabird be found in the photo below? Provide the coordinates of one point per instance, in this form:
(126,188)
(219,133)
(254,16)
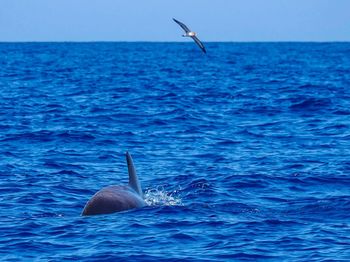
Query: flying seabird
(189,33)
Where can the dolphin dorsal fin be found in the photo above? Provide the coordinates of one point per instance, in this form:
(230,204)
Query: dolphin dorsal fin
(134,182)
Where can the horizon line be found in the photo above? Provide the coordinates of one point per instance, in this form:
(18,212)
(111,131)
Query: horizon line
(147,41)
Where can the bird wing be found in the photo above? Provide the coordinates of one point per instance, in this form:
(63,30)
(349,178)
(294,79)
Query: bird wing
(183,26)
(199,43)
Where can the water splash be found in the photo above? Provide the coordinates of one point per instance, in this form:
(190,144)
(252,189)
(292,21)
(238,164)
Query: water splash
(160,197)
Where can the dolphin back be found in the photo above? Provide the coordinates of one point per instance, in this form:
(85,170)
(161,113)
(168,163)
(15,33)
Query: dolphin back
(134,182)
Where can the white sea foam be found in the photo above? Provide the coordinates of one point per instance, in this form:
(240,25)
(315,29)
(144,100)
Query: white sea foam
(160,197)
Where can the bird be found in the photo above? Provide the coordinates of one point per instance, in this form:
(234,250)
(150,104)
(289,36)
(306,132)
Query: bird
(189,33)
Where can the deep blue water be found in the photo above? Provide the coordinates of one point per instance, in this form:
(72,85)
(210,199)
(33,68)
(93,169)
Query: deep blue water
(243,153)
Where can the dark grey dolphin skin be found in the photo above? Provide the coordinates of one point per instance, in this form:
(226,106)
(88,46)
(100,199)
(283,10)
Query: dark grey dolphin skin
(113,199)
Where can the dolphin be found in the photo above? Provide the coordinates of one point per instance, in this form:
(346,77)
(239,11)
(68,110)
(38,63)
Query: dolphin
(117,198)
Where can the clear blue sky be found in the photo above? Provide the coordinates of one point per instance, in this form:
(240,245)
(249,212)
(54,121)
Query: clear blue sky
(150,20)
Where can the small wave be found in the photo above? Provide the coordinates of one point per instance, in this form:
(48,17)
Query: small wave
(312,104)
(160,197)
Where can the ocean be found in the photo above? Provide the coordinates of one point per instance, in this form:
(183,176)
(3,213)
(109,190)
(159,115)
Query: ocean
(243,153)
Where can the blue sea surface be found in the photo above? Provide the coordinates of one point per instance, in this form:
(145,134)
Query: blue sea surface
(243,153)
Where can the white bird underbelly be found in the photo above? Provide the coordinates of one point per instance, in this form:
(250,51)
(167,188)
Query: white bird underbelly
(190,34)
